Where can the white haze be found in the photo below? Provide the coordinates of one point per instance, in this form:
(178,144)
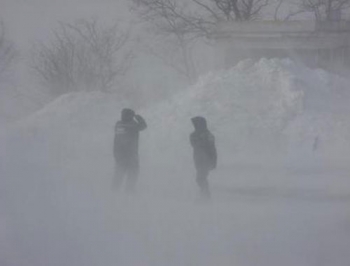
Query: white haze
(276,199)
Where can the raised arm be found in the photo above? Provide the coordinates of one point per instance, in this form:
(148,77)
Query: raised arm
(140,122)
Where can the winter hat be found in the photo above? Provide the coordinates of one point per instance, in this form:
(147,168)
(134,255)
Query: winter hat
(127,114)
(199,123)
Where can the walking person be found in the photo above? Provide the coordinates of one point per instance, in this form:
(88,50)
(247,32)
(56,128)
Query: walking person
(204,154)
(126,145)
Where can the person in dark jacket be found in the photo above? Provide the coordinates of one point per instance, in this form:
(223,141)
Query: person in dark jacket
(126,143)
(204,153)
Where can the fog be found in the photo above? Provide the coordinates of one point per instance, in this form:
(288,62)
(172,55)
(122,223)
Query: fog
(279,194)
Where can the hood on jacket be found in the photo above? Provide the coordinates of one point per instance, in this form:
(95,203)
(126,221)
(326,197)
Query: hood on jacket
(127,115)
(199,123)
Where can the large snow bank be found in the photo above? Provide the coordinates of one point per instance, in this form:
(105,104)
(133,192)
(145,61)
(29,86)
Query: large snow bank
(71,127)
(257,110)
(271,109)
(245,105)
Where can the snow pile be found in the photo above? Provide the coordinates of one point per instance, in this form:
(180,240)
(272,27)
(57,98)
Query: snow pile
(75,127)
(256,110)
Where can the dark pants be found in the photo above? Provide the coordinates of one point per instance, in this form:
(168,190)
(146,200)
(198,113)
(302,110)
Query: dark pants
(202,181)
(128,170)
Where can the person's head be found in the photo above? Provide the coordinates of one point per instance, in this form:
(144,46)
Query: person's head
(199,123)
(127,115)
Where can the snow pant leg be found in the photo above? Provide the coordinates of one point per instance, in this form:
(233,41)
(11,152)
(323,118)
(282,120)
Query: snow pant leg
(132,176)
(119,175)
(202,181)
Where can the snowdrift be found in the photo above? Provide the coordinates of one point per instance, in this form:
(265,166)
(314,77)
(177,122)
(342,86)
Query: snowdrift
(258,111)
(271,110)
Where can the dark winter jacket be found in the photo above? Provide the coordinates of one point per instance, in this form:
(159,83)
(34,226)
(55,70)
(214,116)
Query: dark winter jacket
(126,138)
(203,143)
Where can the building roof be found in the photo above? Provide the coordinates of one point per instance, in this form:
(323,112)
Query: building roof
(284,34)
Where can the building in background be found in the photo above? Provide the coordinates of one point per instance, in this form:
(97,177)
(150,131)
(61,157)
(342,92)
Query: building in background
(324,44)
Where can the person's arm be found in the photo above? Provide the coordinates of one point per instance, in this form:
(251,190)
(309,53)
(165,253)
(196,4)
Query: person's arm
(192,140)
(140,122)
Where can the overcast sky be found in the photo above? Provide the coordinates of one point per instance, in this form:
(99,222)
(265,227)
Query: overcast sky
(30,20)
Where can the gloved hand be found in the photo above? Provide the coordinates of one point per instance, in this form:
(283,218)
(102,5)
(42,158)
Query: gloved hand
(137,117)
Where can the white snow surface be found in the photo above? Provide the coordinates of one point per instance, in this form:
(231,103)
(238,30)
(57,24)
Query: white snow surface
(281,190)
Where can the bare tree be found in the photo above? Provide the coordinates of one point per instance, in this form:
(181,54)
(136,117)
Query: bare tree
(7,52)
(186,21)
(82,56)
(325,9)
(175,53)
(291,9)
(197,16)
(277,8)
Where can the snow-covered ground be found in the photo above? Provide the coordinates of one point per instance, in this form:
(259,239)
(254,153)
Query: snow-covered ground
(281,192)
